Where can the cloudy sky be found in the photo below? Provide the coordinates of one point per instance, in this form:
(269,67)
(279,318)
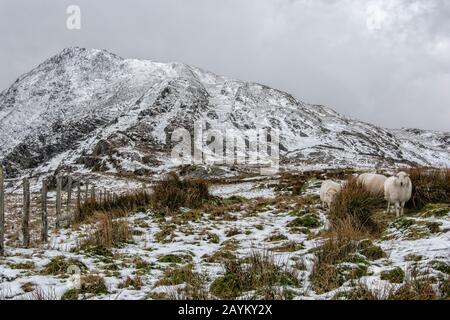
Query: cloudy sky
(382,61)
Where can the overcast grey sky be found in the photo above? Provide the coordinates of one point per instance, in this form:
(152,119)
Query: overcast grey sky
(382,61)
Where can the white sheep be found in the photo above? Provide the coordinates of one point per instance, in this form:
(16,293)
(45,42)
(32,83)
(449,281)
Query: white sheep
(374,183)
(398,191)
(328,192)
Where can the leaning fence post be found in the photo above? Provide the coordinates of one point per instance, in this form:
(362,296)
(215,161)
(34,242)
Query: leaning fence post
(44,215)
(58,200)
(2,212)
(26,213)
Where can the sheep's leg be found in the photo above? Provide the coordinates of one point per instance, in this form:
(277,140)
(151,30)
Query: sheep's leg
(388,208)
(403,208)
(397,209)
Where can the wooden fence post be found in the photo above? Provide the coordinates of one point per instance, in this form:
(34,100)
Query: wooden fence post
(2,212)
(100,196)
(58,200)
(69,193)
(93,194)
(78,210)
(44,214)
(26,213)
(86,194)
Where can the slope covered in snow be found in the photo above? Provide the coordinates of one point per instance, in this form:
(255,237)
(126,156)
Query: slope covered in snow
(95,110)
(145,266)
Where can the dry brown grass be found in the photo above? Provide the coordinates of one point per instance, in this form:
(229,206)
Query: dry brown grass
(134,282)
(224,208)
(342,241)
(172,193)
(108,233)
(258,272)
(363,292)
(195,283)
(116,206)
(292,182)
(356,202)
(91,285)
(430,185)
(417,286)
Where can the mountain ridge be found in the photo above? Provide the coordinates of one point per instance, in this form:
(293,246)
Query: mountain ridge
(90,109)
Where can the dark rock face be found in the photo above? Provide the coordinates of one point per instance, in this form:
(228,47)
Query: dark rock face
(182,102)
(63,136)
(95,109)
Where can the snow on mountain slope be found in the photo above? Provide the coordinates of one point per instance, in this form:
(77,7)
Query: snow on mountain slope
(94,109)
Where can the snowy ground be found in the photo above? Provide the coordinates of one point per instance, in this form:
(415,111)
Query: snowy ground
(260,223)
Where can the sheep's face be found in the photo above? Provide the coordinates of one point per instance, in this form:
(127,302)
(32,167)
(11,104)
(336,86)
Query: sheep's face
(403,179)
(332,193)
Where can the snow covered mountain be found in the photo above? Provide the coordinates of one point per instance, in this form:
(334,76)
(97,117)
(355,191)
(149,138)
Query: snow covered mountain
(91,109)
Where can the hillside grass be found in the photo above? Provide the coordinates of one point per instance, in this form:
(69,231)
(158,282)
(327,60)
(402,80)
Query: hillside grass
(172,193)
(258,272)
(356,205)
(430,186)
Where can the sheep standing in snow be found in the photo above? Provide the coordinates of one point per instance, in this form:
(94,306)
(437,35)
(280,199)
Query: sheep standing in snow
(374,183)
(397,191)
(328,192)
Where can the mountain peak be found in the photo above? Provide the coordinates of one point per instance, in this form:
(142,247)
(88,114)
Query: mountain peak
(75,54)
(79,98)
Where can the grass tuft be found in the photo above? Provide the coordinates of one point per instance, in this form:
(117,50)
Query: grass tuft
(59,266)
(356,202)
(116,206)
(92,285)
(258,272)
(430,185)
(108,233)
(172,193)
(396,275)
